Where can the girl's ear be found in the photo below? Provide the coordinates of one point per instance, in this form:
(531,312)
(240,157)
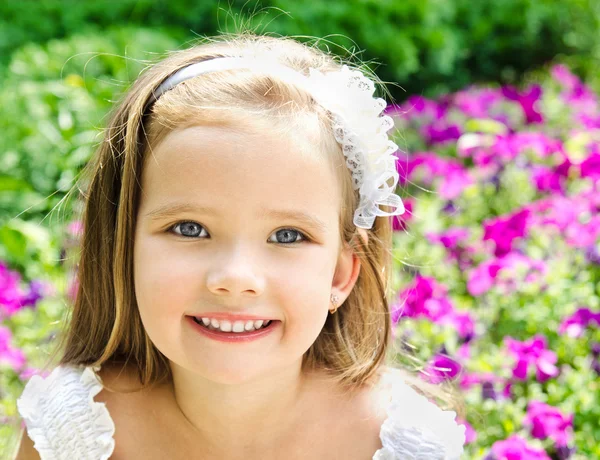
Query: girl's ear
(347,270)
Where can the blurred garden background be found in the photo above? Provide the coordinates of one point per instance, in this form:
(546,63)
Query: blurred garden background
(497,111)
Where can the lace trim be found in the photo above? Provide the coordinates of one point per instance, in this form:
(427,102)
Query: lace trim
(415,428)
(62,418)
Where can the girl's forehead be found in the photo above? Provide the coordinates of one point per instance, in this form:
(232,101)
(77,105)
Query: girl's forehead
(224,166)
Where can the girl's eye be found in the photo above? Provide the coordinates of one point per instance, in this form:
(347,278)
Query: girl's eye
(288,236)
(187,229)
(193,230)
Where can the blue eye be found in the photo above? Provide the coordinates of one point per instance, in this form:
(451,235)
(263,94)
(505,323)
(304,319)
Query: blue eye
(187,229)
(193,230)
(291,231)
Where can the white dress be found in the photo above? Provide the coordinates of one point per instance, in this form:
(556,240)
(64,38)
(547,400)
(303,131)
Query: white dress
(65,423)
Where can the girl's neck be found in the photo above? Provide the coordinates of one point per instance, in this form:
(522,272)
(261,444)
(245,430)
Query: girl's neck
(230,418)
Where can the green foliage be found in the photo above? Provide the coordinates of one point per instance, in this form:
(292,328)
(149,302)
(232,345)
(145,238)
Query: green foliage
(52,106)
(428,46)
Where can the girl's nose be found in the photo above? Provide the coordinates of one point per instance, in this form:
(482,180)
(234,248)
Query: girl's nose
(238,273)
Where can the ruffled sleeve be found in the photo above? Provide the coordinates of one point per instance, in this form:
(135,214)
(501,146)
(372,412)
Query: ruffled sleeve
(62,418)
(415,428)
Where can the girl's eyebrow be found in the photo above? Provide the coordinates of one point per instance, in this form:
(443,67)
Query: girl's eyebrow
(173,209)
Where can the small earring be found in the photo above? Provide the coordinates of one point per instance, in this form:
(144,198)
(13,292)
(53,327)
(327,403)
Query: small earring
(334,300)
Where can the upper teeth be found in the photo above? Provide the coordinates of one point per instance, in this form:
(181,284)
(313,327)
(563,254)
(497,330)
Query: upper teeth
(236,326)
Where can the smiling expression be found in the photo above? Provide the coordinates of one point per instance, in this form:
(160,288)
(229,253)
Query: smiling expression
(235,222)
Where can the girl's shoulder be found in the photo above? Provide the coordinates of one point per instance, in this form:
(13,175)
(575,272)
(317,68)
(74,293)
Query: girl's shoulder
(67,412)
(412,424)
(61,415)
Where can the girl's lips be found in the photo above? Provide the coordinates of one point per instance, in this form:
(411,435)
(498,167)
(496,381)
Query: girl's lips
(230,317)
(235,337)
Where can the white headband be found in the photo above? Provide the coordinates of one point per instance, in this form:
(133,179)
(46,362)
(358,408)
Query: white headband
(357,124)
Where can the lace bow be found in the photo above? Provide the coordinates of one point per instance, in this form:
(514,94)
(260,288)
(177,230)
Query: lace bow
(357,125)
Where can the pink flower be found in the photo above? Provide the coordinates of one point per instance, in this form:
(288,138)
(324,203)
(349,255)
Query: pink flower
(576,95)
(427,168)
(548,422)
(470,433)
(462,322)
(547,180)
(532,353)
(442,368)
(12,297)
(574,325)
(455,240)
(424,298)
(472,379)
(440,132)
(516,448)
(29,372)
(477,102)
(590,167)
(417,107)
(75,228)
(399,223)
(565,77)
(8,354)
(504,229)
(528,101)
(486,275)
(576,217)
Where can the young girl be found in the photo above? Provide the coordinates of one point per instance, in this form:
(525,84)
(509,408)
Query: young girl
(234,271)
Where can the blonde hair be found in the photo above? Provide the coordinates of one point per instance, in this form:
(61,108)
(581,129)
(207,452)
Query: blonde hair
(105,324)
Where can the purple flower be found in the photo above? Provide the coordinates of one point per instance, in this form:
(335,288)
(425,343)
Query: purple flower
(516,448)
(565,452)
(488,391)
(592,254)
(596,366)
(548,422)
(451,238)
(574,325)
(504,229)
(37,290)
(442,368)
(528,101)
(12,297)
(532,353)
(440,132)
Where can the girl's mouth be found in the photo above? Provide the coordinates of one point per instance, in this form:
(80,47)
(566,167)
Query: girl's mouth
(237,327)
(218,334)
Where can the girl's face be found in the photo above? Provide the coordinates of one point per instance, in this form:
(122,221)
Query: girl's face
(219,231)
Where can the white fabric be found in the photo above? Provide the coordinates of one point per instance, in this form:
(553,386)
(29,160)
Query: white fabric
(65,422)
(62,418)
(357,124)
(416,429)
